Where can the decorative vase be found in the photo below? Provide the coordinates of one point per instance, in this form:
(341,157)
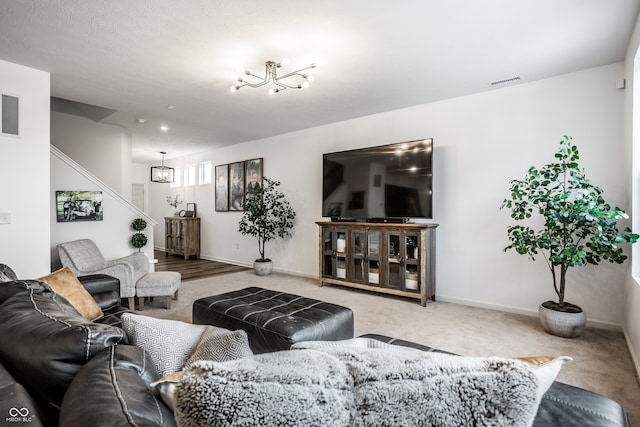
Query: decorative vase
(341,270)
(560,323)
(263,267)
(374,276)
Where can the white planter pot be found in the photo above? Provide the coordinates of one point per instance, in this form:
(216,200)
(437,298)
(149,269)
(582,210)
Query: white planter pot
(263,268)
(560,323)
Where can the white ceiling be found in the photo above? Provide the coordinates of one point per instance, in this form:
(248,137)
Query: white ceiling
(138,57)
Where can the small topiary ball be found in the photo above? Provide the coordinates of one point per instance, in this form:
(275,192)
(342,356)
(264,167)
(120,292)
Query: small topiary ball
(139,224)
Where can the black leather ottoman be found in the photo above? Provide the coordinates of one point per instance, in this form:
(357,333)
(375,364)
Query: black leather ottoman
(274,320)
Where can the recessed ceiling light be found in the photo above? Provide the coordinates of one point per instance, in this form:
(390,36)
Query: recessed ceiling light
(170,107)
(140,120)
(164,128)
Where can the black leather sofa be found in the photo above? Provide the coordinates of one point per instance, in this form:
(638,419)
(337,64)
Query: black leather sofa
(57,368)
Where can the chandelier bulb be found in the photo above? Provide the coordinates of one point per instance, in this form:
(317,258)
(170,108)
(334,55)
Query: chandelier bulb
(234,88)
(305,84)
(310,78)
(284,62)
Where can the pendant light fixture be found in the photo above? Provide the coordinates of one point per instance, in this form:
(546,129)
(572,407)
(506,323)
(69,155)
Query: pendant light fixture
(162,173)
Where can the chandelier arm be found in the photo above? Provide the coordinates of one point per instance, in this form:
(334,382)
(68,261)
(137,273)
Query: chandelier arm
(245,83)
(294,73)
(266,75)
(284,85)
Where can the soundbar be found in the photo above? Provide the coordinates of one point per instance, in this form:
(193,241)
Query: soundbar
(347,219)
(390,220)
(382,220)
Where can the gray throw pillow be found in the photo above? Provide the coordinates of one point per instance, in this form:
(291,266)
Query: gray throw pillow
(172,343)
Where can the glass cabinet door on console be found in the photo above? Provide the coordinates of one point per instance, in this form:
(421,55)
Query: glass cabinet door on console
(334,253)
(358,257)
(373,258)
(394,260)
(403,268)
(412,271)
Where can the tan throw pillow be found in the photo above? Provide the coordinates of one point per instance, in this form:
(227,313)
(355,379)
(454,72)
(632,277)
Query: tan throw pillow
(65,283)
(166,386)
(546,369)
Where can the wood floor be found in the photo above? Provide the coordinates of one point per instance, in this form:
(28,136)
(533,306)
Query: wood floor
(193,268)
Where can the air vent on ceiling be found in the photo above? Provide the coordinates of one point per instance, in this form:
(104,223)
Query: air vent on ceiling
(505,81)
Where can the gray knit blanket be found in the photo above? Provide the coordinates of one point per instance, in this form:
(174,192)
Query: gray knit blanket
(356,387)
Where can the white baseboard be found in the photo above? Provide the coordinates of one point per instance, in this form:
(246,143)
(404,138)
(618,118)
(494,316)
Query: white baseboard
(592,323)
(250,265)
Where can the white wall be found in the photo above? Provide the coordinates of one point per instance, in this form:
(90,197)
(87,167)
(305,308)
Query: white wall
(102,149)
(481,142)
(24,174)
(112,234)
(632,151)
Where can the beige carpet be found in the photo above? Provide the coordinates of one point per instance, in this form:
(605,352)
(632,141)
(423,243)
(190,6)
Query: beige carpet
(601,360)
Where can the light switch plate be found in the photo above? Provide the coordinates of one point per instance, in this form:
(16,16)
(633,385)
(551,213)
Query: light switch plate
(5,217)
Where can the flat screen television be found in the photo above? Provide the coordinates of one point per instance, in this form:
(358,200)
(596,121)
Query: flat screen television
(393,181)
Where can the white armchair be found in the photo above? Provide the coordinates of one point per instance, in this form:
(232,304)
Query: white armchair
(83,257)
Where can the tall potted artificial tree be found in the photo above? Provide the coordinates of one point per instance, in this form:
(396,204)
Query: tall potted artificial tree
(578,227)
(267,215)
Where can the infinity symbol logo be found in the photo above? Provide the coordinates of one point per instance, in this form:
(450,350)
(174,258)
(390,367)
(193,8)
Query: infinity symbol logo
(14,412)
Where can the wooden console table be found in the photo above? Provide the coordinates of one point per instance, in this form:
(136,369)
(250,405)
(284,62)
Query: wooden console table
(397,259)
(182,236)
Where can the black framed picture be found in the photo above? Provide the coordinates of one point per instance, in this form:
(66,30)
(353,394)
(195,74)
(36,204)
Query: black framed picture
(236,186)
(222,188)
(191,212)
(253,174)
(79,206)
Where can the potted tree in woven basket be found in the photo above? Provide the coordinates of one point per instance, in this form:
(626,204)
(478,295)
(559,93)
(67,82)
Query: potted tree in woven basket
(267,216)
(578,227)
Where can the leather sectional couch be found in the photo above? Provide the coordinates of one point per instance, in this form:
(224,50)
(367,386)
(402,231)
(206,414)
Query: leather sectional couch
(57,368)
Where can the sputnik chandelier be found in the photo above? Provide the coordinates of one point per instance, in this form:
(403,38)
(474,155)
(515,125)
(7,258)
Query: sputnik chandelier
(271,76)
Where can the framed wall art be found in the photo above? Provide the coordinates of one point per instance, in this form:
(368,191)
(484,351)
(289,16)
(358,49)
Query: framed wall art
(236,186)
(222,188)
(191,212)
(253,174)
(79,206)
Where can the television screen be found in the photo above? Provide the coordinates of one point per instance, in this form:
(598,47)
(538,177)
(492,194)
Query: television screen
(387,181)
